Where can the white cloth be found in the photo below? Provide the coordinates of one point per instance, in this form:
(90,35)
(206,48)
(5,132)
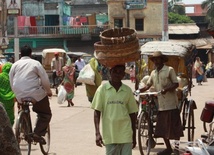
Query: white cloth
(28,78)
(80,64)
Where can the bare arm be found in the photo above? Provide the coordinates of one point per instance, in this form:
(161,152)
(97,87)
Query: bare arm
(171,87)
(133,117)
(99,141)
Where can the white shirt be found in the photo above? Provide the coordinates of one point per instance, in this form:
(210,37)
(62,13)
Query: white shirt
(80,64)
(56,65)
(28,78)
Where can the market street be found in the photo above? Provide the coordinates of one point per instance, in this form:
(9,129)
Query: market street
(72,128)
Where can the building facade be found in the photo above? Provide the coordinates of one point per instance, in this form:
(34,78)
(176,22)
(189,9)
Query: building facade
(145,16)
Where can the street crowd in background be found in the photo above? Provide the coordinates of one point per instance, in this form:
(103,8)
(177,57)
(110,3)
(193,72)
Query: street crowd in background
(28,77)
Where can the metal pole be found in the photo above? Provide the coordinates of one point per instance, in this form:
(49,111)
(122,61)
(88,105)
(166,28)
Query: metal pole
(165,35)
(16,39)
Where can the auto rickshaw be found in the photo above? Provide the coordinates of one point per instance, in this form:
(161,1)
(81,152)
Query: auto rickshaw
(181,57)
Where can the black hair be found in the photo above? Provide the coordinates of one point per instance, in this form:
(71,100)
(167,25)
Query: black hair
(121,65)
(25,51)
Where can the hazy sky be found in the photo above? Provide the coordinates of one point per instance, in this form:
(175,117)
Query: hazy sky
(192,1)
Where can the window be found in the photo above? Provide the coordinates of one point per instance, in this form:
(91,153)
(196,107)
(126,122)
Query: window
(139,24)
(118,22)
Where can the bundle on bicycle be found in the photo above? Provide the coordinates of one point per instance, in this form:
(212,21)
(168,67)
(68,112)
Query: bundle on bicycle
(180,56)
(24,130)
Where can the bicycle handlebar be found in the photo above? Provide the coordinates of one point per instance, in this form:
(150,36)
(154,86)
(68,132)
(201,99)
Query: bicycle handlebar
(137,92)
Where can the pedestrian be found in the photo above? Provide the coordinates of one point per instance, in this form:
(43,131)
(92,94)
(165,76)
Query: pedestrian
(79,64)
(56,66)
(163,78)
(116,103)
(28,78)
(132,73)
(68,81)
(91,89)
(198,66)
(8,142)
(7,97)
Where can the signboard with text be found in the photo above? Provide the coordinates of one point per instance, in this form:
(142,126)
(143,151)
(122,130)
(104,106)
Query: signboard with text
(13,7)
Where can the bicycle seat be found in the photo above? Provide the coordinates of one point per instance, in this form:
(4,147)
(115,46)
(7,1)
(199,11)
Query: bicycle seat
(28,99)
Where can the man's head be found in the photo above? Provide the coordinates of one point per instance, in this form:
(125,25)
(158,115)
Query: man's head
(56,54)
(26,51)
(158,58)
(117,72)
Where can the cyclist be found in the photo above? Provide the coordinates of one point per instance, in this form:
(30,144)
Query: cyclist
(56,66)
(28,78)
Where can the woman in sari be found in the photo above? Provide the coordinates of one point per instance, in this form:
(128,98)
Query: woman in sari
(6,94)
(199,70)
(68,82)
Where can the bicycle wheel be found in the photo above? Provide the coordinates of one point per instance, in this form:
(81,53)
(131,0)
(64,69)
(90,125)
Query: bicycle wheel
(22,130)
(45,148)
(143,134)
(191,124)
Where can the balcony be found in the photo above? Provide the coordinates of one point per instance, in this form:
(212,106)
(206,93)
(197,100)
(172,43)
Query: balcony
(58,31)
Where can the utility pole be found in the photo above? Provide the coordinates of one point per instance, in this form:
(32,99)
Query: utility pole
(165,34)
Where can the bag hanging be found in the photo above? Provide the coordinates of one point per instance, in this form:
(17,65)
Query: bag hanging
(86,75)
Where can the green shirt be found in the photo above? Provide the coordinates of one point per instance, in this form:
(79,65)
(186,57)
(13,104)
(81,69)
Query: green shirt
(115,107)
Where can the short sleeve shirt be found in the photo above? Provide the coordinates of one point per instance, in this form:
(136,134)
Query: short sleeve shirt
(115,107)
(160,80)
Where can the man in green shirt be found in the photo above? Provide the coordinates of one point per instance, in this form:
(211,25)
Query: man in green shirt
(116,103)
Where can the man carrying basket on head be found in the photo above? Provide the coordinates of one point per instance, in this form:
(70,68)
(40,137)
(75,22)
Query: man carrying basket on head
(56,66)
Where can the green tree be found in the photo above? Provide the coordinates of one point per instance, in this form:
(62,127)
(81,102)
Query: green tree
(209,6)
(176,7)
(174,18)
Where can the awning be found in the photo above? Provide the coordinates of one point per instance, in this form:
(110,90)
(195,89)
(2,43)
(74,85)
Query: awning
(200,43)
(190,28)
(167,48)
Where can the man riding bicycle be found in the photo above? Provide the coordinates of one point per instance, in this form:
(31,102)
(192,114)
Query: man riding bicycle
(56,66)
(28,78)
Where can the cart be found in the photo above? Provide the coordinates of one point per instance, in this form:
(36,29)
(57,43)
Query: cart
(180,57)
(47,56)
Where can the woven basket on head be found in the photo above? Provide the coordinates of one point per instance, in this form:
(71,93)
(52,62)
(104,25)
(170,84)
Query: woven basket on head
(117,35)
(116,50)
(112,61)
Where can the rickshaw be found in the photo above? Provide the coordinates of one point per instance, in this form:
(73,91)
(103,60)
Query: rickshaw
(47,56)
(180,57)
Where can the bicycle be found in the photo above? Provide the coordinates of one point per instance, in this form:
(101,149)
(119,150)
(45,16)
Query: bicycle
(59,80)
(23,129)
(147,122)
(207,118)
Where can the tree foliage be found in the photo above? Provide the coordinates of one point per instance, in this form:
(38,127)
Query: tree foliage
(174,18)
(209,6)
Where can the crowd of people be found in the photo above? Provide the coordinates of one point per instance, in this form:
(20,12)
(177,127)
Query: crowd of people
(113,102)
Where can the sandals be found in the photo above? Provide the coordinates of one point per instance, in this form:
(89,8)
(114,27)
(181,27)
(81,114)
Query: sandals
(70,103)
(37,138)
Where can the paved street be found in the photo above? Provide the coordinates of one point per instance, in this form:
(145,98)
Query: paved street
(72,128)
